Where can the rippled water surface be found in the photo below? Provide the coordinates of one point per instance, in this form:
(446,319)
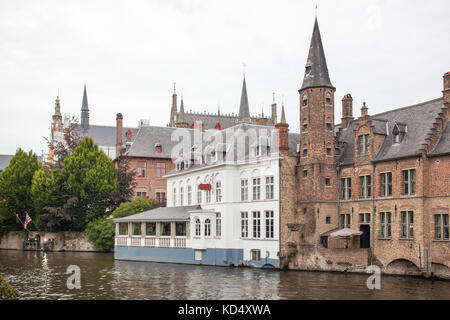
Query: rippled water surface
(39,275)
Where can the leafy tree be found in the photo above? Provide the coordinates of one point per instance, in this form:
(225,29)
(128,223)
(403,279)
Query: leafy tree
(125,180)
(100,233)
(71,139)
(15,188)
(89,176)
(138,205)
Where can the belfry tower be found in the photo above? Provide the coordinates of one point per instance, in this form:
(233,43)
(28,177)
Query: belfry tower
(317,150)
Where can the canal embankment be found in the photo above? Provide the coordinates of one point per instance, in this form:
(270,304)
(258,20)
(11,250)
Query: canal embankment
(64,240)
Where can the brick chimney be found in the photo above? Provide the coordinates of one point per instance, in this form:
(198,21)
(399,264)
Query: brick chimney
(347,110)
(119,133)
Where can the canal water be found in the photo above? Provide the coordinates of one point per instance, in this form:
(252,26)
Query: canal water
(38,275)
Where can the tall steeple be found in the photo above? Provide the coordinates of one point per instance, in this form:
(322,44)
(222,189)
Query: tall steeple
(244,113)
(85,111)
(174,110)
(316,71)
(181,119)
(283,116)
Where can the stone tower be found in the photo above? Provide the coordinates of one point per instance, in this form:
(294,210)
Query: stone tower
(174,110)
(317,150)
(85,111)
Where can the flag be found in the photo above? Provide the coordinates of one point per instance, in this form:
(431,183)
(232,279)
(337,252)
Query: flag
(27,221)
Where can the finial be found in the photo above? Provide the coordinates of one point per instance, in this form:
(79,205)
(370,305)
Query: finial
(182,89)
(243,68)
(316,9)
(174,90)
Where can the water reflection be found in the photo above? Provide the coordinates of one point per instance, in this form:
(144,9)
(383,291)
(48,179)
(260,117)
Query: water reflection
(40,275)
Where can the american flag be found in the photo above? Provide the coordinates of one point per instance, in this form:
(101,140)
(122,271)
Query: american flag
(27,221)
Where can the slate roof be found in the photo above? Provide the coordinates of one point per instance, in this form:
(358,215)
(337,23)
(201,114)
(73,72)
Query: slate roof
(106,135)
(316,73)
(144,145)
(244,111)
(162,214)
(442,146)
(228,140)
(416,121)
(4,160)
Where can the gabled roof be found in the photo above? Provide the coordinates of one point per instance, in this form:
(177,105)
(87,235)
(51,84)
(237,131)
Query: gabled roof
(442,146)
(105,136)
(418,119)
(144,145)
(316,73)
(162,214)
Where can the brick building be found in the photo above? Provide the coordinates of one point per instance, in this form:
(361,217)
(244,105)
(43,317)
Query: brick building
(383,178)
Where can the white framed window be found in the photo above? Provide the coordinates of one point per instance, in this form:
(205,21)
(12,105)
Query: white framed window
(346,184)
(270,187)
(207,228)
(181,196)
(208,196)
(441,226)
(409,182)
(189,195)
(364,187)
(386,184)
(407,224)
(363,144)
(385,224)
(174,197)
(218,224)
(344,220)
(256,188)
(244,190)
(269,225)
(198,228)
(244,224)
(256,223)
(199,195)
(218,191)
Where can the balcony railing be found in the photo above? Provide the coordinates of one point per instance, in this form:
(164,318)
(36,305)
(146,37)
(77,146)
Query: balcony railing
(151,242)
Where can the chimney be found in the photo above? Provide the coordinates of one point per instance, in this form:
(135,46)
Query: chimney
(347,110)
(364,110)
(446,92)
(119,132)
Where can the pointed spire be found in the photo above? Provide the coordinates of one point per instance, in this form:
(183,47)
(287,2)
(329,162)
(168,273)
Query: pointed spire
(85,105)
(181,116)
(244,113)
(283,116)
(316,71)
(85,111)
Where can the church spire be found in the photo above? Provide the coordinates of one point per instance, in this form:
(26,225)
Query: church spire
(283,116)
(244,113)
(316,71)
(85,111)
(181,116)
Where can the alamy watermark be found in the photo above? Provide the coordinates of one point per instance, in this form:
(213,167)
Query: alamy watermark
(374,281)
(74,280)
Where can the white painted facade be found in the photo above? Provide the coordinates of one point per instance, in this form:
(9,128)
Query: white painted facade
(231,206)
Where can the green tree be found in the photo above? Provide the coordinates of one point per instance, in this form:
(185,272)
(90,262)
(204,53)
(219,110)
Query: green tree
(125,180)
(138,205)
(15,189)
(89,176)
(6,291)
(100,233)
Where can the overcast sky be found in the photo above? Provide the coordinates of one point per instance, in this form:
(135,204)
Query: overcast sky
(129,53)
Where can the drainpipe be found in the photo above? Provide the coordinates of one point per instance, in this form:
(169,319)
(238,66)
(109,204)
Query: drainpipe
(338,169)
(279,213)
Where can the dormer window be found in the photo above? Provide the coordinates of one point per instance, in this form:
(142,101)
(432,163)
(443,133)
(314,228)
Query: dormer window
(308,69)
(158,147)
(363,144)
(398,133)
(305,100)
(328,98)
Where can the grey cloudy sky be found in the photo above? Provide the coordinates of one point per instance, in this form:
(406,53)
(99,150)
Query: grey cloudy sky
(129,53)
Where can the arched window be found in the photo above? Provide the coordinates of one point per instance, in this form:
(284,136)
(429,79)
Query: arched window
(207,228)
(198,229)
(328,98)
(305,100)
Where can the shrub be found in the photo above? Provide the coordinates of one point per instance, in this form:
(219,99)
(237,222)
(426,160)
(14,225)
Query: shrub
(100,233)
(329,261)
(138,205)
(7,292)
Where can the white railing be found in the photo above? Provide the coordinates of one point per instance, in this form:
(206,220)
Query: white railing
(151,242)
